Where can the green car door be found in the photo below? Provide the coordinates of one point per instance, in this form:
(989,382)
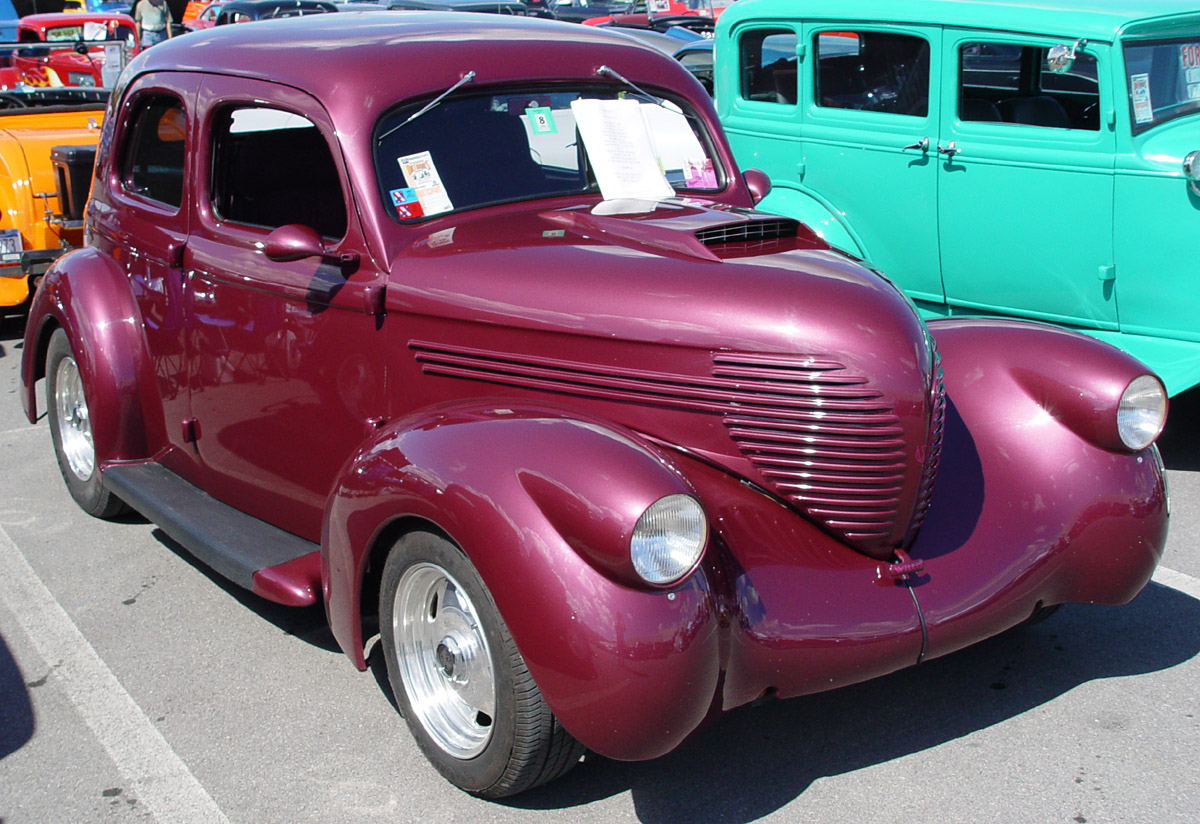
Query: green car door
(1026,199)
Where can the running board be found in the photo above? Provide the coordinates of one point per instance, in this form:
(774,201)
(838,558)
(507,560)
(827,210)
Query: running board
(251,553)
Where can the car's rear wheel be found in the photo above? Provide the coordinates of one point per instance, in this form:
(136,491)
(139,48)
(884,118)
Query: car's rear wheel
(458,678)
(71,431)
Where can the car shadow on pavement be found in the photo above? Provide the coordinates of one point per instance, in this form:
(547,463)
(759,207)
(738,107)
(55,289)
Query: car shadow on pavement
(1180,440)
(16,710)
(306,623)
(756,760)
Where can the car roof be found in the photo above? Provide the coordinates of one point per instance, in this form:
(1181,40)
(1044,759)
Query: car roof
(1094,19)
(405,54)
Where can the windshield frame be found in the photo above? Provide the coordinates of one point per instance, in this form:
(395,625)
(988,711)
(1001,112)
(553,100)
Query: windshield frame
(595,88)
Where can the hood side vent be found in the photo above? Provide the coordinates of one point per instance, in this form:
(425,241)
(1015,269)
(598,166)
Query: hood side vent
(848,472)
(749,231)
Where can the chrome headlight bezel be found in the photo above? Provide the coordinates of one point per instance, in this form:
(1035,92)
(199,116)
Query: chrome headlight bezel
(668,540)
(1141,412)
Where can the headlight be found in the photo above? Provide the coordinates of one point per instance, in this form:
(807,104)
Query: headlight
(1141,412)
(80,79)
(668,539)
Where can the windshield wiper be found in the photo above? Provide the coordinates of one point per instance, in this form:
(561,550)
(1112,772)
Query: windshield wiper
(620,78)
(466,78)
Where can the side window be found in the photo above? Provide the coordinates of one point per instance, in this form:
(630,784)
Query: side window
(152,163)
(1012,83)
(872,71)
(272,168)
(768,65)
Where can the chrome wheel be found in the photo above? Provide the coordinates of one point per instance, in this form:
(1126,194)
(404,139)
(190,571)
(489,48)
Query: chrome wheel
(444,660)
(74,426)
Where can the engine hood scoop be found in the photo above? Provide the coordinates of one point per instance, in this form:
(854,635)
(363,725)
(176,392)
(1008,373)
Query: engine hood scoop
(686,229)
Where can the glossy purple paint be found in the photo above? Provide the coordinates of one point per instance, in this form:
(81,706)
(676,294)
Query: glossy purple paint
(528,378)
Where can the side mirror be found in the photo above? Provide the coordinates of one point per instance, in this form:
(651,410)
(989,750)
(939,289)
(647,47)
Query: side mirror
(758,183)
(1060,58)
(296,242)
(293,242)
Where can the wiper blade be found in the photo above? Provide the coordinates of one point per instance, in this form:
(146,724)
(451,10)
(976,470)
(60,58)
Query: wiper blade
(466,78)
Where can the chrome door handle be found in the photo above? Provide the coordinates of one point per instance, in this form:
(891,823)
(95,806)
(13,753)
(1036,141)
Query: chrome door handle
(921,145)
(949,150)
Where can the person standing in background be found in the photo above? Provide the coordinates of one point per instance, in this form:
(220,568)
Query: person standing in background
(153,20)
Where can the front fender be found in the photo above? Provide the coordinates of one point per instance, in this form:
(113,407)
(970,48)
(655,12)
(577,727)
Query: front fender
(539,501)
(1034,504)
(86,294)
(814,213)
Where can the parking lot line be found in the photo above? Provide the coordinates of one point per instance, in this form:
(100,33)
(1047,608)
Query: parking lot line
(1177,580)
(158,777)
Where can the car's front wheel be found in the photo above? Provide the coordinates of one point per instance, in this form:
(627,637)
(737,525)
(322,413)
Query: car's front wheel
(71,431)
(458,678)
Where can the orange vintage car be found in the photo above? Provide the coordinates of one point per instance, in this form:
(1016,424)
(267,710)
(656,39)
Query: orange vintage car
(47,151)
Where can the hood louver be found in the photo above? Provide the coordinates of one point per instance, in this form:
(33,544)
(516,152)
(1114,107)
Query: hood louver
(748,231)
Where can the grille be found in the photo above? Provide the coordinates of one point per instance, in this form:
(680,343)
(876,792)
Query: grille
(751,230)
(842,461)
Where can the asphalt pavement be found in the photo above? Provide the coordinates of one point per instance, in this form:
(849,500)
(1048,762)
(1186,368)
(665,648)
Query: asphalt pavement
(135,685)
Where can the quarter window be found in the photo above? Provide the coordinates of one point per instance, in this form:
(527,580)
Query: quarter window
(1012,83)
(872,71)
(768,65)
(152,165)
(272,168)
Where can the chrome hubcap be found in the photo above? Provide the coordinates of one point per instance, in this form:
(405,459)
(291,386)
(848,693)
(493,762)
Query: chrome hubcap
(74,425)
(444,660)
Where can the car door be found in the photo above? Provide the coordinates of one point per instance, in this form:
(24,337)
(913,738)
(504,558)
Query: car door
(287,357)
(870,115)
(143,224)
(1025,218)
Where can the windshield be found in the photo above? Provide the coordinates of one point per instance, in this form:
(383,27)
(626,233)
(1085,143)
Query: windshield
(1164,80)
(470,151)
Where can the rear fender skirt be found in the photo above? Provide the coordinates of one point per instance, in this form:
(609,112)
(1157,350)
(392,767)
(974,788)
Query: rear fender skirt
(88,295)
(543,504)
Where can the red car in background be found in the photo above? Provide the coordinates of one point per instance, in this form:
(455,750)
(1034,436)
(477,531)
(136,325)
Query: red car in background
(73,49)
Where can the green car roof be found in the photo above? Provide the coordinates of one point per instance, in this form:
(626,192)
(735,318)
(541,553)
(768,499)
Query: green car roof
(1093,19)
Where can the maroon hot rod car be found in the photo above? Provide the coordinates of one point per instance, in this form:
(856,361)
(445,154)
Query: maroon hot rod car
(505,368)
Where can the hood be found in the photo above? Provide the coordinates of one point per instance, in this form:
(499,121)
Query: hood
(737,336)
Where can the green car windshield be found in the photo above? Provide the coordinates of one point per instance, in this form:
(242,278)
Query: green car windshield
(1164,80)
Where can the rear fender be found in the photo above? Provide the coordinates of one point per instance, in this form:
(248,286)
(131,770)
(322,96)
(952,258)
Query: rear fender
(541,503)
(86,294)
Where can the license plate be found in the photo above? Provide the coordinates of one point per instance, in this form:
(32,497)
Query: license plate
(10,246)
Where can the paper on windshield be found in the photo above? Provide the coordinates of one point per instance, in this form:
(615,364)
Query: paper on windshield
(424,183)
(618,144)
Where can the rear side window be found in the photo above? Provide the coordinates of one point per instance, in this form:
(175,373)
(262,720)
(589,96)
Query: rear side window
(1013,83)
(152,164)
(272,168)
(767,58)
(872,71)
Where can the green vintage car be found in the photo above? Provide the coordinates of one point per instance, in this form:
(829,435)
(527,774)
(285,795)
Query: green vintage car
(1037,160)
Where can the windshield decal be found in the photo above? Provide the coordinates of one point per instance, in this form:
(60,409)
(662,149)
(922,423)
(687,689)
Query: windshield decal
(422,177)
(541,120)
(1143,112)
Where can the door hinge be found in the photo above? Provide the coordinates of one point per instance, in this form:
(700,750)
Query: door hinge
(191,430)
(801,168)
(373,298)
(801,50)
(1108,272)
